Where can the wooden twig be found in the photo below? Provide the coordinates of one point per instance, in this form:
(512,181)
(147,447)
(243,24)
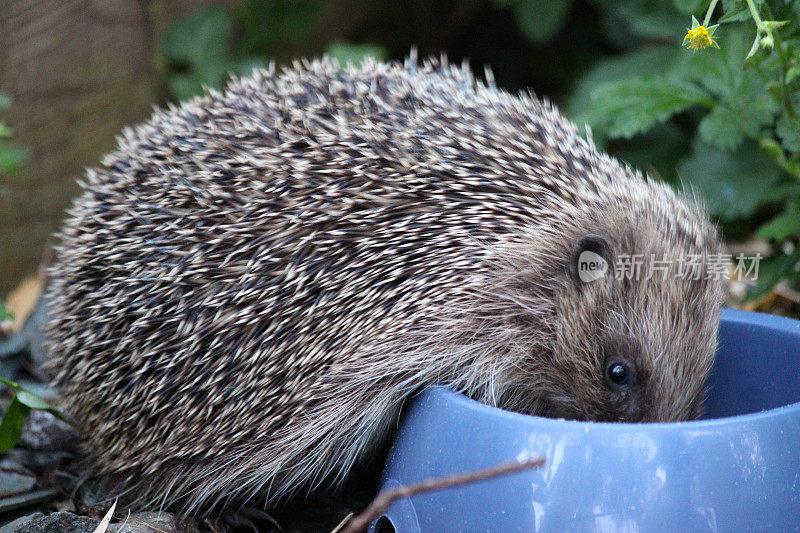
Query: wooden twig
(383,500)
(340,525)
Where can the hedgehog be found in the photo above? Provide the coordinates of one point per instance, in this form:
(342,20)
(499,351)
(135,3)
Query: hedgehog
(253,282)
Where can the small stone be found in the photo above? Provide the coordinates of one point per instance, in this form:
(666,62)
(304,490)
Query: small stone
(33,331)
(148,522)
(13,527)
(26,499)
(9,370)
(10,465)
(62,522)
(14,483)
(37,460)
(13,346)
(43,431)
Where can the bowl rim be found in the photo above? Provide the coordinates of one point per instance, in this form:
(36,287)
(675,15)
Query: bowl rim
(749,317)
(776,412)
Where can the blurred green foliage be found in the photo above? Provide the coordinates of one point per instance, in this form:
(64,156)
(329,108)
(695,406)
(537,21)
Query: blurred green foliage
(539,20)
(11,158)
(722,123)
(725,125)
(5,314)
(346,52)
(198,52)
(202,49)
(11,155)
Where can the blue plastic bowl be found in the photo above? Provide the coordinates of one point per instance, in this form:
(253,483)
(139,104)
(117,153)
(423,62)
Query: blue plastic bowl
(738,469)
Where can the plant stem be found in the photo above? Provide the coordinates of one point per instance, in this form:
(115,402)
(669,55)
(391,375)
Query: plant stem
(709,11)
(772,149)
(785,60)
(754,12)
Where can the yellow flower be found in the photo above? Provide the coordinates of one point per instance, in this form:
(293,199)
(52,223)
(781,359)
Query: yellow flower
(699,37)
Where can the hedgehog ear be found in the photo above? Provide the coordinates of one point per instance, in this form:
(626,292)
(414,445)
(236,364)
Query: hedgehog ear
(591,258)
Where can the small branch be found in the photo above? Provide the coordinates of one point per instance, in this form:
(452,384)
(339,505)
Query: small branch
(383,500)
(345,520)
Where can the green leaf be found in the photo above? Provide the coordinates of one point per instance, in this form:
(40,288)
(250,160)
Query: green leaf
(788,129)
(626,107)
(195,48)
(636,63)
(772,149)
(270,27)
(735,11)
(688,7)
(625,20)
(780,193)
(730,122)
(540,20)
(34,402)
(183,87)
(733,184)
(198,39)
(11,158)
(783,226)
(11,155)
(31,400)
(353,53)
(735,6)
(721,128)
(11,425)
(792,73)
(771,270)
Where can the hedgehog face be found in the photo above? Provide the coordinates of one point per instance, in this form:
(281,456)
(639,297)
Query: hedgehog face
(608,314)
(638,346)
(615,370)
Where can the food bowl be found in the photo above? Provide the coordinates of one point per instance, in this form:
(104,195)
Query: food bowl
(737,469)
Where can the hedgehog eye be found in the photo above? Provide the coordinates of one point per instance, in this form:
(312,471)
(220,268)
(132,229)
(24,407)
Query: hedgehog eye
(618,373)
